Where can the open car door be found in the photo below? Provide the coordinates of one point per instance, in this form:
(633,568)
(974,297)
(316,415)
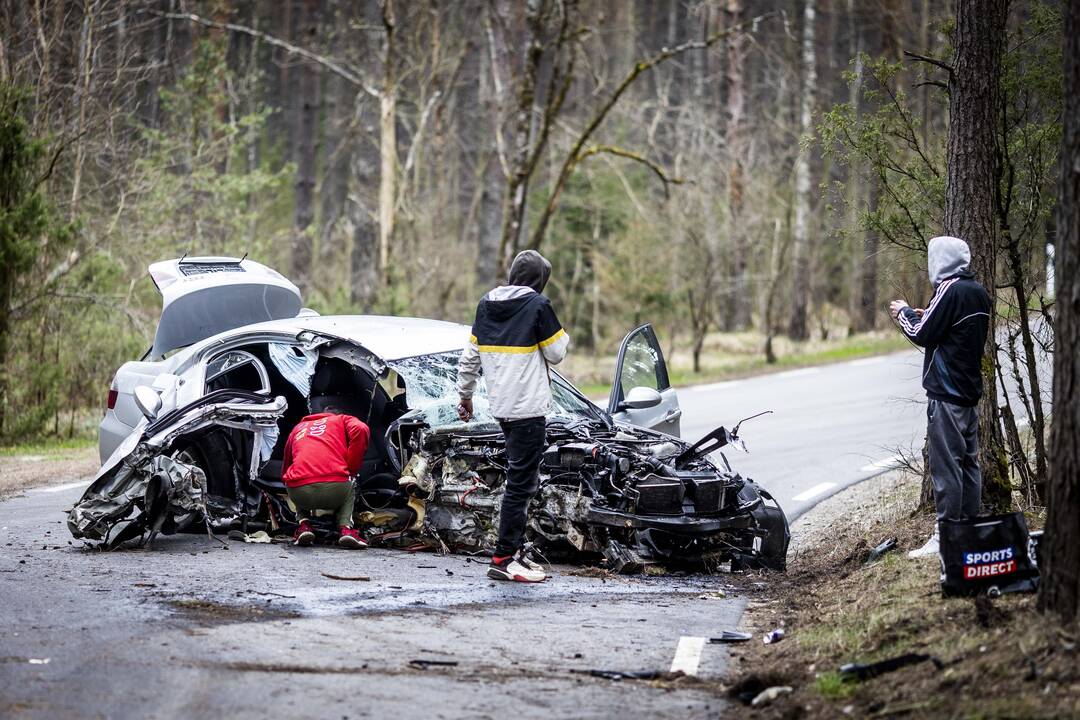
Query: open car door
(642,394)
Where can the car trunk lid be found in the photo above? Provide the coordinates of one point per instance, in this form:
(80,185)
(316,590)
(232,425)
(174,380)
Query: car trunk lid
(204,296)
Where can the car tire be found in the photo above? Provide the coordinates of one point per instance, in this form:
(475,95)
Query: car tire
(212,455)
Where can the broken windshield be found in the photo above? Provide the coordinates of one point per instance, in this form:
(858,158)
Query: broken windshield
(431,392)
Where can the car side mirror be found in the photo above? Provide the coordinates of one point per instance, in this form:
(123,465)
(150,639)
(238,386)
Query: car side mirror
(640,398)
(148,401)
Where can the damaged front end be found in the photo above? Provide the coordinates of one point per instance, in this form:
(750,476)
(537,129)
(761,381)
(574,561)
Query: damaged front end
(152,485)
(624,496)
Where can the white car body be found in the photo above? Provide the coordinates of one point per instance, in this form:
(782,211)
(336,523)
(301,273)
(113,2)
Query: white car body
(216,311)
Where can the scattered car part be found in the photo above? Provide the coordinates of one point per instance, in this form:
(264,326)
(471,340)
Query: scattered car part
(768,695)
(773,636)
(857,671)
(730,636)
(885,547)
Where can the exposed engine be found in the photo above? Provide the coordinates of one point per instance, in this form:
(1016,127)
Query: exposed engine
(627,495)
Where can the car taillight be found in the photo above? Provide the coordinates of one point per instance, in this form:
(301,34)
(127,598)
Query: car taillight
(112,399)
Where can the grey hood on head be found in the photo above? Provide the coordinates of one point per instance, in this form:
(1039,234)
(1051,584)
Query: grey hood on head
(946,256)
(530,269)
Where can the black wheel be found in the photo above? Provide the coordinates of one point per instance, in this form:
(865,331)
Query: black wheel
(211,454)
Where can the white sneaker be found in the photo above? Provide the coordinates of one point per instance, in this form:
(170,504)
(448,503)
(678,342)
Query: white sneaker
(514,569)
(930,548)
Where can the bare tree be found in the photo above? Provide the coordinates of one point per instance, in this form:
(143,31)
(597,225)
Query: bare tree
(800,295)
(970,193)
(1060,592)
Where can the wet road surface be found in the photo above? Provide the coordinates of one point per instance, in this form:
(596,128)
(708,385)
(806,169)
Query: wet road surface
(189,629)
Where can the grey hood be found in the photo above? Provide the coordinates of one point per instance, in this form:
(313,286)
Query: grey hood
(530,269)
(946,256)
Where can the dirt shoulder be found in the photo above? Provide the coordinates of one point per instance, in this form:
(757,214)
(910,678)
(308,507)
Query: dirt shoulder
(997,658)
(56,467)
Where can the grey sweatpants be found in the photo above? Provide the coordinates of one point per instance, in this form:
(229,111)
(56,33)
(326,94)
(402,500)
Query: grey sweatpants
(953,434)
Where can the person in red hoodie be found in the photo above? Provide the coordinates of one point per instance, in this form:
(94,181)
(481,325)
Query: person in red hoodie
(322,454)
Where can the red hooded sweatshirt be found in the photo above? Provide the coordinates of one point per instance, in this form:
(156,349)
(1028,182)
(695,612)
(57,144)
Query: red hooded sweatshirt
(324,448)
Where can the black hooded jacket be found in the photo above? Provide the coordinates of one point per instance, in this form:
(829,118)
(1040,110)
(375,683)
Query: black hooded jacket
(953,330)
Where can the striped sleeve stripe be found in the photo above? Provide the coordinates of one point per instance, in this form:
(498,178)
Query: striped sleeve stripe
(515,349)
(914,329)
(553,338)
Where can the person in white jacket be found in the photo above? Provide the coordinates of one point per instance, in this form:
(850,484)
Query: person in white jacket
(515,337)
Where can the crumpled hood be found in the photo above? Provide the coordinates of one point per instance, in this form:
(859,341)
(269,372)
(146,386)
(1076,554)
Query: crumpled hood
(946,256)
(530,269)
(506,300)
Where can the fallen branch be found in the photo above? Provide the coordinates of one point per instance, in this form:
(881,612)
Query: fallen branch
(350,578)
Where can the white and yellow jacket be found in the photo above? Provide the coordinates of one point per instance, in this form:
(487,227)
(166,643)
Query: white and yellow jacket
(515,337)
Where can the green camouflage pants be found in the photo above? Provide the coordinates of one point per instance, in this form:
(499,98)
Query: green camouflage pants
(336,497)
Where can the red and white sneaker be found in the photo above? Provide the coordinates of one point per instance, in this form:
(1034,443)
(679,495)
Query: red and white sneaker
(514,568)
(351,538)
(304,534)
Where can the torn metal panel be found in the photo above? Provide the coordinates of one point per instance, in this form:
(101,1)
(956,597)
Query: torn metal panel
(155,491)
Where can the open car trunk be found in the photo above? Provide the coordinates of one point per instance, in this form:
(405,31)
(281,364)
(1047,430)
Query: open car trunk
(204,296)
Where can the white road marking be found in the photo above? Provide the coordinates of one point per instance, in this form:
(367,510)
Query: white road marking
(813,492)
(688,655)
(885,464)
(798,373)
(62,488)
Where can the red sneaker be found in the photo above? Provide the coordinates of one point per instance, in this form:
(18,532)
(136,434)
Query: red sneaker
(351,538)
(304,534)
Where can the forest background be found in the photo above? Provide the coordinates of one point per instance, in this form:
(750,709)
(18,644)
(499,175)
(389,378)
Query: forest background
(721,168)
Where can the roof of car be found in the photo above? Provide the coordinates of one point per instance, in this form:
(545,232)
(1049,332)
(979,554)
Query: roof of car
(391,338)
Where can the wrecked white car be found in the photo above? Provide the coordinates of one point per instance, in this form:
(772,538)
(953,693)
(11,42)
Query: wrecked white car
(195,432)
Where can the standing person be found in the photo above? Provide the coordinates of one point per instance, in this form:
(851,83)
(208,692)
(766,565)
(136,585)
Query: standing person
(515,336)
(953,330)
(322,454)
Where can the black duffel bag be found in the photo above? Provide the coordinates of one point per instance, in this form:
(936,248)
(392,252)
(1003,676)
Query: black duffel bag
(987,554)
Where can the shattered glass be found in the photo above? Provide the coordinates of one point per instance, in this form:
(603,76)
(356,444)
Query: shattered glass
(432,393)
(296,364)
(640,363)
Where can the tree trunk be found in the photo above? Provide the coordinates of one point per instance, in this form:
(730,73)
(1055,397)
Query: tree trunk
(336,149)
(800,294)
(306,127)
(387,142)
(735,74)
(969,197)
(364,250)
(1060,593)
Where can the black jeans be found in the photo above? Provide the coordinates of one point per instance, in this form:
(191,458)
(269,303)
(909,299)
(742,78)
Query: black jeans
(525,443)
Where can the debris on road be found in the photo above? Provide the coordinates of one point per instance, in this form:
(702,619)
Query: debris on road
(767,695)
(38,661)
(857,671)
(730,636)
(629,674)
(259,536)
(424,664)
(774,636)
(352,578)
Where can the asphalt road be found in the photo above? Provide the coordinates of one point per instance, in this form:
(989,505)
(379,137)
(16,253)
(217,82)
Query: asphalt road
(189,629)
(830,426)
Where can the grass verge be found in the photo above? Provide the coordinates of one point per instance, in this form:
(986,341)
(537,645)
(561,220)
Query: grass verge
(739,356)
(998,658)
(48,448)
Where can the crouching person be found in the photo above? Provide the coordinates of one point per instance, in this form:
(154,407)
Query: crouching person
(322,454)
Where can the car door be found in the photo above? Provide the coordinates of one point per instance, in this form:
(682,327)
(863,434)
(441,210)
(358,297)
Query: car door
(642,394)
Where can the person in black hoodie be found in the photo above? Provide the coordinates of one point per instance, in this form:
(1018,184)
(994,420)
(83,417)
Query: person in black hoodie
(953,330)
(515,337)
